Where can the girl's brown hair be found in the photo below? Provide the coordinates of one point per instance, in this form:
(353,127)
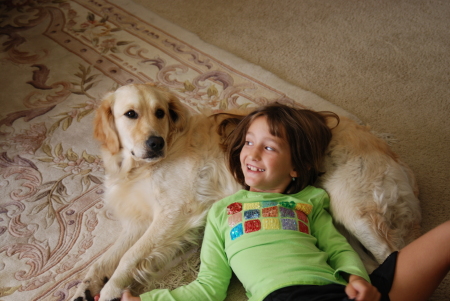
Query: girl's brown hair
(306,132)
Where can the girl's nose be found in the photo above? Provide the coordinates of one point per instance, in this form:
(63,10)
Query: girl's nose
(255,154)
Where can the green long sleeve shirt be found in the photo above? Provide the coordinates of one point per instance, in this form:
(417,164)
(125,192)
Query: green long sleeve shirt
(270,241)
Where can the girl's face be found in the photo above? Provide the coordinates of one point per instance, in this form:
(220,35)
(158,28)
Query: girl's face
(266,159)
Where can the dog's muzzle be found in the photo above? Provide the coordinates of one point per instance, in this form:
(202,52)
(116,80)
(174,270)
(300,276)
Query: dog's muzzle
(155,146)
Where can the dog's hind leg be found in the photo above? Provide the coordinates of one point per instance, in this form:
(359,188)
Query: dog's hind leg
(373,234)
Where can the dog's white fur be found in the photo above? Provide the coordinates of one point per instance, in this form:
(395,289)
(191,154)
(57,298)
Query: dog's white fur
(161,199)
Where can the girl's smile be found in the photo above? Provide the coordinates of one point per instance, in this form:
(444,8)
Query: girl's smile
(266,159)
(253,168)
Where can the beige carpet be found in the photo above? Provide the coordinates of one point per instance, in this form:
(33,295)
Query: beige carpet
(385,63)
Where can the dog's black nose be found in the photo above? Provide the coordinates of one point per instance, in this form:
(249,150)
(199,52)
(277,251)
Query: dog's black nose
(155,143)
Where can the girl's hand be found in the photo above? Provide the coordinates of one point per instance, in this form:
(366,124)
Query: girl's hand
(127,296)
(361,290)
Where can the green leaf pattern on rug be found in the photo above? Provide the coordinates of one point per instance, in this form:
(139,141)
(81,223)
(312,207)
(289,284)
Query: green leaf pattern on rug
(6,291)
(100,34)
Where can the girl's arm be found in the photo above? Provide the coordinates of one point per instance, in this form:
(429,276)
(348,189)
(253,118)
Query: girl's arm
(214,275)
(341,256)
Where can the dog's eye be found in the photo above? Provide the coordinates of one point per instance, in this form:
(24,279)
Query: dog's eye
(159,114)
(131,114)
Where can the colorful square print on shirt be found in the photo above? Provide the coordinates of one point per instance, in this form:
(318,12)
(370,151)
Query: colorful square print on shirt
(245,218)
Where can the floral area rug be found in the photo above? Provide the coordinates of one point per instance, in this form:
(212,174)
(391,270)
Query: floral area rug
(58,58)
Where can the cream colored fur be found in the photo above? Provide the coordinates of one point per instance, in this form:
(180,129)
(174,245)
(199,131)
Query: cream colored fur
(373,194)
(162,202)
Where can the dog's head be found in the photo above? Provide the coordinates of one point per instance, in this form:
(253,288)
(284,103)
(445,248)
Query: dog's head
(140,119)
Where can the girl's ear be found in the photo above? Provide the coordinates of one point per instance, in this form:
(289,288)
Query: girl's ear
(293,174)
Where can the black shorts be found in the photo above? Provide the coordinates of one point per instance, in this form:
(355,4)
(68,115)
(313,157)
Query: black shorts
(381,278)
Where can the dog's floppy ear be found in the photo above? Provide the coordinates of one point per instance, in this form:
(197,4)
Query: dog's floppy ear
(178,114)
(104,127)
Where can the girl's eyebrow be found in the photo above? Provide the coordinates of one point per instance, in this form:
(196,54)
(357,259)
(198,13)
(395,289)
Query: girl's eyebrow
(249,134)
(275,140)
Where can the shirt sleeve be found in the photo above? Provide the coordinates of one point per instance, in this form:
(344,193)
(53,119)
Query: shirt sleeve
(214,274)
(341,256)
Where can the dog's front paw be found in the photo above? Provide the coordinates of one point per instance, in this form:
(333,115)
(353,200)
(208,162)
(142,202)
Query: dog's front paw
(87,289)
(85,296)
(110,292)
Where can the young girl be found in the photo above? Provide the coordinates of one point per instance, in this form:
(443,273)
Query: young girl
(278,237)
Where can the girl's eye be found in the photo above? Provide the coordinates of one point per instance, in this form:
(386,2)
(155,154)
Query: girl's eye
(269,148)
(248,143)
(131,114)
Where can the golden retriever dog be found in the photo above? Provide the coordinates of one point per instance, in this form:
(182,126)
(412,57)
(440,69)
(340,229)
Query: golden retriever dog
(165,168)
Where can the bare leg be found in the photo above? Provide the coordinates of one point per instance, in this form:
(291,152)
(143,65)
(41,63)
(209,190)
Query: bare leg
(422,265)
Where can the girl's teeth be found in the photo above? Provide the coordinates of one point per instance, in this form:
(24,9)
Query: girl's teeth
(252,168)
